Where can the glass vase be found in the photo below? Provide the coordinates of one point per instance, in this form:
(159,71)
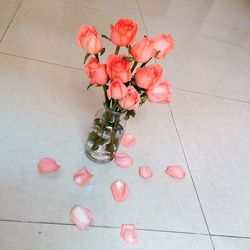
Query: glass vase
(104,136)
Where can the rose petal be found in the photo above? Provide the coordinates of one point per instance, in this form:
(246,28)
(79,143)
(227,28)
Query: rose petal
(129,234)
(82,177)
(123,160)
(176,172)
(145,172)
(120,191)
(81,217)
(47,165)
(128,140)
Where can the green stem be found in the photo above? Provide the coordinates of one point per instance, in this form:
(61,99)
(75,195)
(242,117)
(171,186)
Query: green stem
(133,67)
(105,95)
(145,62)
(114,105)
(97,57)
(117,50)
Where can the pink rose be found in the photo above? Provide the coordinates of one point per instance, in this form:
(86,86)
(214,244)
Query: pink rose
(96,72)
(164,43)
(143,50)
(131,100)
(160,92)
(118,68)
(123,33)
(117,90)
(146,76)
(89,39)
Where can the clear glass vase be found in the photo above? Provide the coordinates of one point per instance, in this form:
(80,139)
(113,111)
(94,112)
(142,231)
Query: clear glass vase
(105,134)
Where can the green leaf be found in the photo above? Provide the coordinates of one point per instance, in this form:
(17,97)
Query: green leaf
(128,58)
(129,48)
(106,37)
(143,98)
(92,136)
(129,113)
(90,85)
(102,51)
(157,53)
(86,57)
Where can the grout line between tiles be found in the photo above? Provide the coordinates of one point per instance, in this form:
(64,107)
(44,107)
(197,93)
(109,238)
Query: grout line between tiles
(96,226)
(139,229)
(190,173)
(216,96)
(18,7)
(139,7)
(38,60)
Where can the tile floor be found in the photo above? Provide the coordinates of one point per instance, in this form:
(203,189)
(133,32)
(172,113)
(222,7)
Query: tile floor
(45,110)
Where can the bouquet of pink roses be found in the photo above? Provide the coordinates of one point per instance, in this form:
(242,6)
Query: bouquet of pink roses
(127,79)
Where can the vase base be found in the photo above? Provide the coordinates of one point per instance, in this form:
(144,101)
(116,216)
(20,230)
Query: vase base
(95,160)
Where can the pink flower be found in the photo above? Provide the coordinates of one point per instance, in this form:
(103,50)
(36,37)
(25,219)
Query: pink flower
(160,92)
(176,171)
(145,172)
(117,90)
(82,177)
(123,160)
(96,72)
(146,76)
(118,68)
(163,43)
(89,39)
(47,165)
(120,191)
(123,33)
(143,50)
(131,100)
(81,217)
(128,140)
(129,234)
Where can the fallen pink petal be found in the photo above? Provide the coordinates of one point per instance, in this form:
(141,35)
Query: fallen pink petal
(176,172)
(145,172)
(129,234)
(123,160)
(47,165)
(81,217)
(128,140)
(120,191)
(82,177)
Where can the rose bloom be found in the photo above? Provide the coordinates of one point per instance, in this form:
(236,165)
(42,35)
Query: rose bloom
(131,100)
(146,76)
(123,33)
(143,50)
(117,90)
(160,92)
(118,68)
(96,72)
(89,39)
(164,43)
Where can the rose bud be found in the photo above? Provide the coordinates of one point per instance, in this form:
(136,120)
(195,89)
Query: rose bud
(89,39)
(123,33)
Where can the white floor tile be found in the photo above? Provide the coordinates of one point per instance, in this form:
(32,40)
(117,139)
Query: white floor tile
(206,66)
(46,30)
(215,135)
(7,10)
(57,237)
(46,111)
(225,243)
(127,9)
(185,20)
(235,14)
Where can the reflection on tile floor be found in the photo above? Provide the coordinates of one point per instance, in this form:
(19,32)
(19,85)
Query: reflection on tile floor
(45,109)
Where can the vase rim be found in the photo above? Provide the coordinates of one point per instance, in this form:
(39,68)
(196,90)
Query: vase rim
(112,111)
